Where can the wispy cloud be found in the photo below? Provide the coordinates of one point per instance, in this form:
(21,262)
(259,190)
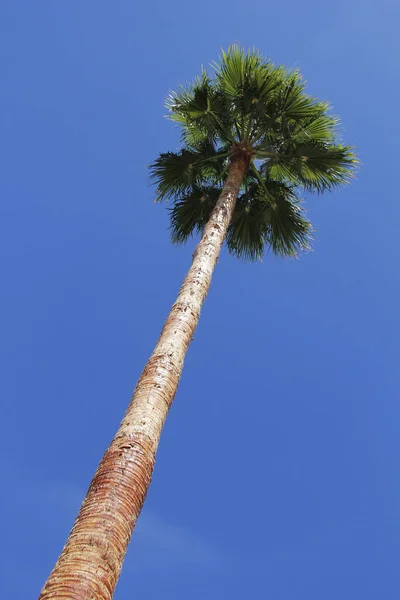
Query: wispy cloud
(59,495)
(179,543)
(59,501)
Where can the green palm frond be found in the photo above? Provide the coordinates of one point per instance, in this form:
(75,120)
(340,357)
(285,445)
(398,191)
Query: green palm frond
(290,231)
(174,173)
(246,233)
(250,84)
(268,215)
(314,166)
(190,101)
(190,214)
(293,103)
(246,77)
(193,136)
(201,111)
(321,128)
(247,101)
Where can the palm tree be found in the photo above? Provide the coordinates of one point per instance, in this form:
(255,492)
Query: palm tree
(252,140)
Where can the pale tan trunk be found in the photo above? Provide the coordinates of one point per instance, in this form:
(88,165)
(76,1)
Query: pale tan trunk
(91,560)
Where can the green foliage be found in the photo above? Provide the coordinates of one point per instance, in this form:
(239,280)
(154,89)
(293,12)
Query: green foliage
(268,214)
(190,214)
(294,145)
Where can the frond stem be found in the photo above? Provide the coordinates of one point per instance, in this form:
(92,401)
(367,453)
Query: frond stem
(258,175)
(264,154)
(218,157)
(226,132)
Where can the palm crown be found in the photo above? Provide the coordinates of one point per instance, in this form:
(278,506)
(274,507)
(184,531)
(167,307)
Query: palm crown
(253,108)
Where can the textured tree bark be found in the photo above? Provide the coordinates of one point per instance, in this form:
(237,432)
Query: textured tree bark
(91,561)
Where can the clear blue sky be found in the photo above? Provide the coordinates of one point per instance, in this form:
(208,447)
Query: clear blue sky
(278,472)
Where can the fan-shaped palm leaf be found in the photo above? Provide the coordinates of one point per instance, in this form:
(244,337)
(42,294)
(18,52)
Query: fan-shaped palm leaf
(250,103)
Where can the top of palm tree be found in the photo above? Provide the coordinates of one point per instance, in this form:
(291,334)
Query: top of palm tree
(250,106)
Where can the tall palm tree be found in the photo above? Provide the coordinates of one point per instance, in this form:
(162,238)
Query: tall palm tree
(252,140)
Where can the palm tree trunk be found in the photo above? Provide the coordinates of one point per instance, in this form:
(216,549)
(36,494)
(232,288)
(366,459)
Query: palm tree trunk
(91,561)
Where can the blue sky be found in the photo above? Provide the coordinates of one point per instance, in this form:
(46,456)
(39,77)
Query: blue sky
(277,474)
